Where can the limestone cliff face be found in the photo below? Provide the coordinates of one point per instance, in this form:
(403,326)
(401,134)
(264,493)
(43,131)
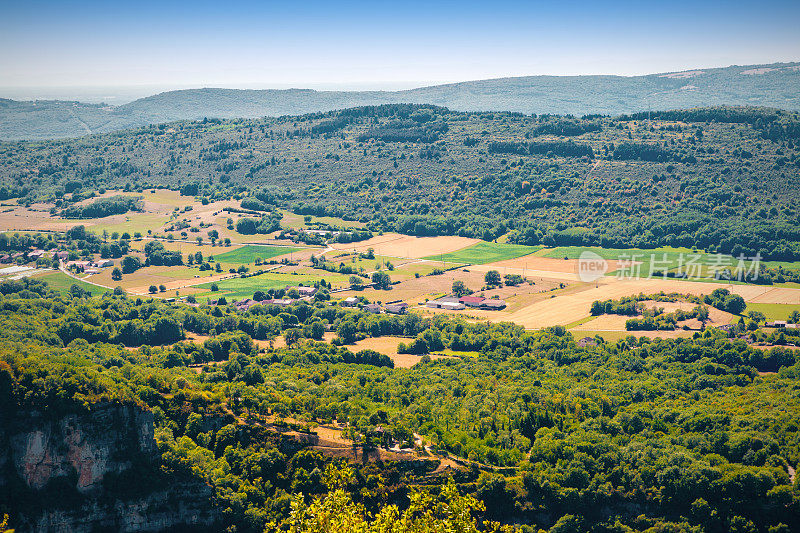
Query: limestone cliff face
(90,445)
(87,456)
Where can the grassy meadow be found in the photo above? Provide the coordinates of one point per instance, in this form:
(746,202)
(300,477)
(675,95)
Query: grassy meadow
(485,252)
(249,253)
(62,283)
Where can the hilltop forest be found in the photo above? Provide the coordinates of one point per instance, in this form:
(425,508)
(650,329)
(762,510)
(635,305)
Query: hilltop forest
(722,179)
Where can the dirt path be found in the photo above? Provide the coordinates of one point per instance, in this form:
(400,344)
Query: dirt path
(80,121)
(66,271)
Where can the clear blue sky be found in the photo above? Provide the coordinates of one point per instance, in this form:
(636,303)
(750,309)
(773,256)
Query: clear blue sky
(377,44)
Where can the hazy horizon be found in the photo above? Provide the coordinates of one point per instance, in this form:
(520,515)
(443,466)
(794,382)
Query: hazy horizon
(121,94)
(46,46)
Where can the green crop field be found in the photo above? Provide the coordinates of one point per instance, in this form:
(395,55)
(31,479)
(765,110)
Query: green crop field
(248,254)
(240,288)
(294,220)
(485,252)
(773,311)
(61,283)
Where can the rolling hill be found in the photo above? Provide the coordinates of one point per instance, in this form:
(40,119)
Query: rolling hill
(775,85)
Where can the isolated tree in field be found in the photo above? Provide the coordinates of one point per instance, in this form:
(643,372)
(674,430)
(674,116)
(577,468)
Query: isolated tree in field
(116,274)
(162,288)
(459,288)
(381,280)
(492,278)
(77,292)
(130,264)
(153,289)
(356,283)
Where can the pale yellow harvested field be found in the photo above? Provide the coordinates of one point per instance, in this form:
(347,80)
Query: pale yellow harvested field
(196,337)
(22,219)
(416,290)
(778,295)
(603,323)
(668,307)
(173,284)
(575,306)
(164,201)
(158,206)
(469,314)
(612,335)
(388,346)
(396,245)
(715,316)
(280,341)
(617,322)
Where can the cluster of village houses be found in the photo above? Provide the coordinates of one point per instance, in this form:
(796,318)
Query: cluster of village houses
(306,293)
(453,303)
(781,324)
(32,255)
(87,267)
(90,267)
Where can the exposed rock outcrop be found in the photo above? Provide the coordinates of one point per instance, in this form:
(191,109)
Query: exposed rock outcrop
(78,472)
(92,445)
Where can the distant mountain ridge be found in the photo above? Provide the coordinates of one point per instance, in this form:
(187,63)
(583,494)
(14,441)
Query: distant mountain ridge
(774,85)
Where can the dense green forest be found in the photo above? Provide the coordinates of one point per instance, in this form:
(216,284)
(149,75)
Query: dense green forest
(715,178)
(692,434)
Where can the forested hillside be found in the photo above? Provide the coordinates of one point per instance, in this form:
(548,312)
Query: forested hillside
(774,85)
(676,434)
(715,178)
